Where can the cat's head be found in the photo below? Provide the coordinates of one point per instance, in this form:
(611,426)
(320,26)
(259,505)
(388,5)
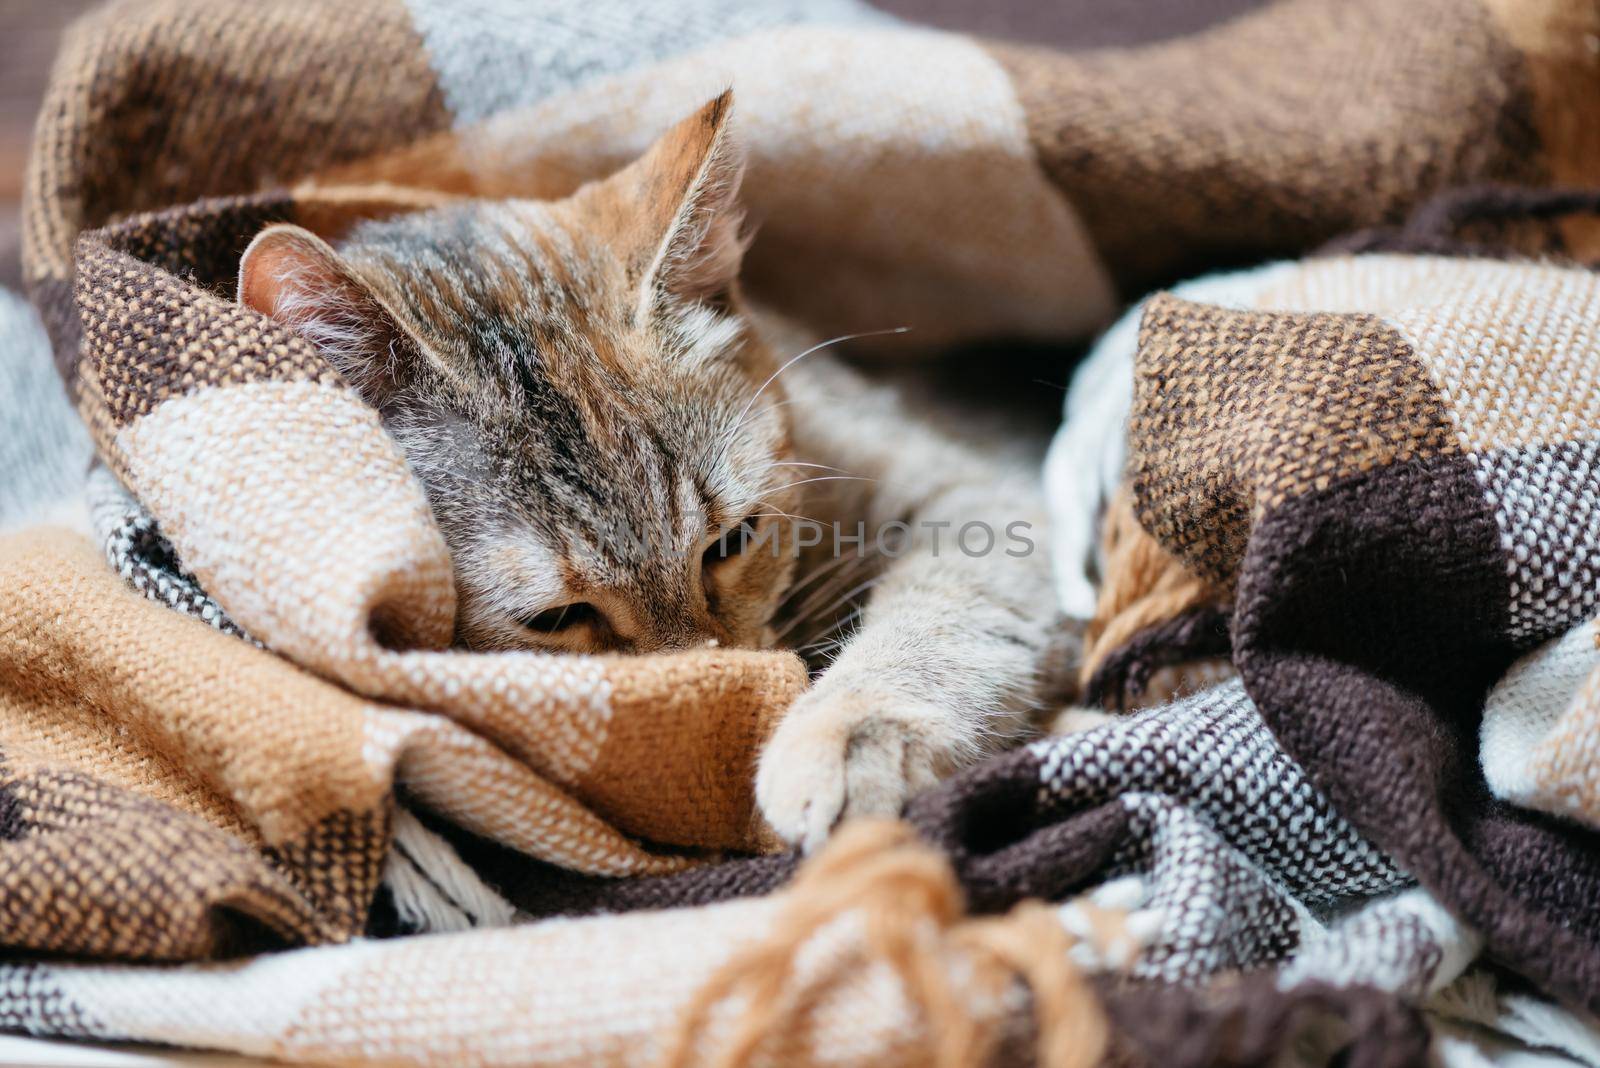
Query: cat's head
(577,388)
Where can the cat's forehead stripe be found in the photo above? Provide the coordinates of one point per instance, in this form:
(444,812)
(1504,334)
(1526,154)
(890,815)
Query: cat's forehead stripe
(587,425)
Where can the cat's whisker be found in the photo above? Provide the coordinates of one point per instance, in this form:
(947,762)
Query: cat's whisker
(835,578)
(827,651)
(822,478)
(829,568)
(780,512)
(790,627)
(818,347)
(739,420)
(836,581)
(827,638)
(856,592)
(764,502)
(733,433)
(799,463)
(825,467)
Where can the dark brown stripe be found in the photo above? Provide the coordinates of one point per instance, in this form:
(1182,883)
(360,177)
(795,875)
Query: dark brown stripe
(1274,133)
(89,869)
(159,103)
(1121,678)
(990,823)
(1482,221)
(1372,620)
(199,245)
(1238,1021)
(149,336)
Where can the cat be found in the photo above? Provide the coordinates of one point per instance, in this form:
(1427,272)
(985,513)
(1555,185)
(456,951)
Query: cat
(565,377)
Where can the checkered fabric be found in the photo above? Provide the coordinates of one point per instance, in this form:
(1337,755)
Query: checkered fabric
(1360,473)
(1378,464)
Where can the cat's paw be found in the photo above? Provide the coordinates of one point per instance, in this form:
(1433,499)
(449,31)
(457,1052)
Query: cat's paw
(834,758)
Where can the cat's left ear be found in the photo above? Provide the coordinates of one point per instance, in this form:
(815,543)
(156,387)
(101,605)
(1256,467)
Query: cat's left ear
(687,220)
(293,276)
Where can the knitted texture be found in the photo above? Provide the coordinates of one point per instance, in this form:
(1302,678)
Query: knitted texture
(1387,478)
(250,733)
(1541,728)
(608,990)
(964,187)
(1210,873)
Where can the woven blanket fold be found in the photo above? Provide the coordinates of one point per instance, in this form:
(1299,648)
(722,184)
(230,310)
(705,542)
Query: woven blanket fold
(245,797)
(1541,728)
(901,175)
(248,448)
(1363,482)
(1388,477)
(568,760)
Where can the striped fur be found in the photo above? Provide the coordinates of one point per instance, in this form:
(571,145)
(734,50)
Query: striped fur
(603,430)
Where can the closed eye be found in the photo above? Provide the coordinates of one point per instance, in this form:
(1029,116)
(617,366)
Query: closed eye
(562,617)
(731,542)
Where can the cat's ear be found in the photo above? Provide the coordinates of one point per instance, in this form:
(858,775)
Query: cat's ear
(293,276)
(685,193)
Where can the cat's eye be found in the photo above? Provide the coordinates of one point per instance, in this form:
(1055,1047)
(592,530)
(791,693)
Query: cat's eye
(562,617)
(731,542)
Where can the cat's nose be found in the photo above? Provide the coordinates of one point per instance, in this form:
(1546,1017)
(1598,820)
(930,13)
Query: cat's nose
(668,611)
(705,635)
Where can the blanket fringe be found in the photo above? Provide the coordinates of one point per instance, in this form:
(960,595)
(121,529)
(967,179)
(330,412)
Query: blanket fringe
(915,920)
(1144,586)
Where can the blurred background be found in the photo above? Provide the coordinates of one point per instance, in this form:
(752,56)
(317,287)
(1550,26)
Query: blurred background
(31,29)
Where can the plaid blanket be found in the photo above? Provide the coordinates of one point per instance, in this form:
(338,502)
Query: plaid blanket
(1362,482)
(1372,499)
(1434,395)
(45,448)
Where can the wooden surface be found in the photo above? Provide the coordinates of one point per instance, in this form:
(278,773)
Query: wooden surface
(29,32)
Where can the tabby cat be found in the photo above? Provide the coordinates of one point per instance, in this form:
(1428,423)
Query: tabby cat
(625,457)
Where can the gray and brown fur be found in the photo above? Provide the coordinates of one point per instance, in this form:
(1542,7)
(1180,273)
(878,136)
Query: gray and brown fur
(568,377)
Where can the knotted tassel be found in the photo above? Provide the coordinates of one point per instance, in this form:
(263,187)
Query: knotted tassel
(915,923)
